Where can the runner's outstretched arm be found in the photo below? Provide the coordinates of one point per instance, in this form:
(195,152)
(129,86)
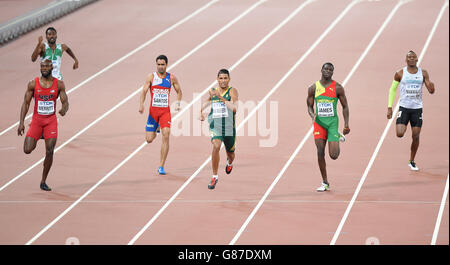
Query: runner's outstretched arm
(25,106)
(145,88)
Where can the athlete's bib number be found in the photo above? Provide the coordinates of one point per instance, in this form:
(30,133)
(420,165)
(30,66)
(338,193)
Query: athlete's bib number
(413,90)
(160,100)
(325,109)
(46,107)
(219,110)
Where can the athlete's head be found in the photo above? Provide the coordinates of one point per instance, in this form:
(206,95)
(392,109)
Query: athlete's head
(46,68)
(223,78)
(50,34)
(411,59)
(161,63)
(327,70)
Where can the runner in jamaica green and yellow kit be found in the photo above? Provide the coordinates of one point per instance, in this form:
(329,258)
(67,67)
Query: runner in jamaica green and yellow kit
(325,93)
(222,122)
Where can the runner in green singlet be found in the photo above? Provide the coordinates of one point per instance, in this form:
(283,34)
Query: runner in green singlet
(325,93)
(52,51)
(222,122)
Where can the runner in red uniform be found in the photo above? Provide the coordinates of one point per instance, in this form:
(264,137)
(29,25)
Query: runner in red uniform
(45,91)
(159,83)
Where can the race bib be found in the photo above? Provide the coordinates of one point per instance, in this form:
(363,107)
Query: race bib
(46,107)
(413,90)
(219,110)
(160,100)
(325,109)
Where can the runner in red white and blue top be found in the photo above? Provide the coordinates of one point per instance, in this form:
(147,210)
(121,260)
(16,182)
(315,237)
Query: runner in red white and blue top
(159,83)
(45,90)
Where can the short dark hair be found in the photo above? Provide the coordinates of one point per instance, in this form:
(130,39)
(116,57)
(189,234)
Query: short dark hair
(50,28)
(47,61)
(411,51)
(328,63)
(162,57)
(223,71)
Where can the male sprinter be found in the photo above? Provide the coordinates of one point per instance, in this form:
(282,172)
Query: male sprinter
(222,122)
(45,91)
(326,92)
(411,79)
(159,84)
(52,51)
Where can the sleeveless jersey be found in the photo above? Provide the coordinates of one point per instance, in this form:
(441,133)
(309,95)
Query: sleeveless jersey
(160,91)
(55,57)
(222,120)
(45,98)
(411,89)
(326,103)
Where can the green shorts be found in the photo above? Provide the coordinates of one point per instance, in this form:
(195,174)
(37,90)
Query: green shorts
(228,141)
(327,129)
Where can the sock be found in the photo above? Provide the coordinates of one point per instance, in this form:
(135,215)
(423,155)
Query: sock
(216,176)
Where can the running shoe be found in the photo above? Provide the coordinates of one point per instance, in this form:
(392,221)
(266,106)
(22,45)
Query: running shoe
(323,187)
(44,186)
(413,165)
(341,137)
(213,183)
(161,171)
(228,168)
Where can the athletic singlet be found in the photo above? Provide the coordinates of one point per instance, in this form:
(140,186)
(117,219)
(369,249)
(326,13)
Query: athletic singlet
(160,91)
(222,119)
(45,98)
(326,101)
(55,57)
(411,89)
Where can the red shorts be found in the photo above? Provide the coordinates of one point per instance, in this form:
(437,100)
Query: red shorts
(43,125)
(319,132)
(159,116)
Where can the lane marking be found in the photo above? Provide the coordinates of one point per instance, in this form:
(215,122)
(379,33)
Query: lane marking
(309,133)
(246,119)
(135,93)
(143,144)
(225,201)
(439,217)
(380,142)
(125,56)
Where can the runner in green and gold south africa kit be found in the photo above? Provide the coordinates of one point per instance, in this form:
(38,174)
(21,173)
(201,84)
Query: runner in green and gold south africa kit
(325,93)
(222,122)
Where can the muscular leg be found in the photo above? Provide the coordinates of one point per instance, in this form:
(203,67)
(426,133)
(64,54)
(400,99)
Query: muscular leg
(230,156)
(49,148)
(150,136)
(29,145)
(400,129)
(164,145)
(333,150)
(320,144)
(415,141)
(215,157)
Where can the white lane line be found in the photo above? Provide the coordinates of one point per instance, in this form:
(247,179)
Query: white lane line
(308,134)
(380,142)
(439,217)
(244,121)
(143,144)
(136,92)
(222,201)
(126,56)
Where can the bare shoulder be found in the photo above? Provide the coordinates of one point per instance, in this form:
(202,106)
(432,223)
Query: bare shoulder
(312,88)
(31,84)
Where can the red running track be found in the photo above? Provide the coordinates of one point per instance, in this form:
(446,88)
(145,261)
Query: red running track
(394,205)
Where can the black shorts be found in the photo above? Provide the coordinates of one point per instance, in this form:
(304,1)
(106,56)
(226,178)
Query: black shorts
(414,116)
